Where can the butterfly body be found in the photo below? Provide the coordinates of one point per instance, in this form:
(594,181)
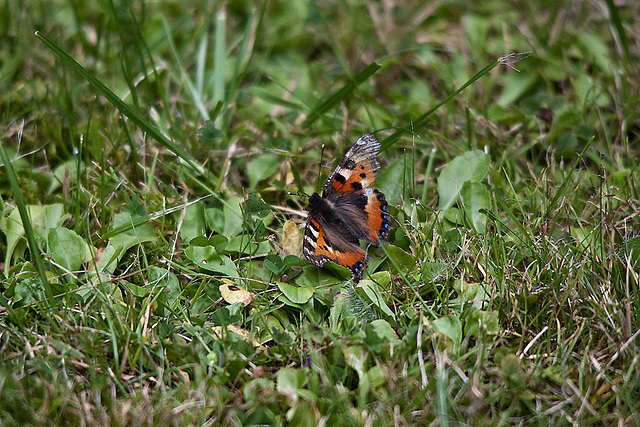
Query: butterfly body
(349,210)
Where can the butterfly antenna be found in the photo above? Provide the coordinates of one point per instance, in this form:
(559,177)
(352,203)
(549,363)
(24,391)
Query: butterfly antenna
(319,168)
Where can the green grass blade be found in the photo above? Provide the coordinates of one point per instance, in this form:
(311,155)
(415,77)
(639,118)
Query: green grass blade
(391,139)
(220,60)
(195,90)
(335,98)
(617,24)
(563,186)
(125,109)
(26,223)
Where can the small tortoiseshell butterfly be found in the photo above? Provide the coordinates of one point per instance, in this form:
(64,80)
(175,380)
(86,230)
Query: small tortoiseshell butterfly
(348,210)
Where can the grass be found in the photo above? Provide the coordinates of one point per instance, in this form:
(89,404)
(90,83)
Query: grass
(150,209)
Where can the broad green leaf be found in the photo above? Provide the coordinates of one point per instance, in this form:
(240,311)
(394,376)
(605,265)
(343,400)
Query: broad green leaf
(596,49)
(67,248)
(432,271)
(207,258)
(372,292)
(290,381)
(475,196)
(450,327)
(296,294)
(215,219)
(193,224)
(135,235)
(372,379)
(484,319)
(393,179)
(384,330)
(233,217)
(255,210)
(589,91)
(404,261)
(244,245)
(29,289)
(166,283)
(262,167)
(65,349)
(470,166)
(218,241)
(454,215)
(109,258)
(506,116)
(43,218)
(515,86)
(136,290)
(356,357)
(123,241)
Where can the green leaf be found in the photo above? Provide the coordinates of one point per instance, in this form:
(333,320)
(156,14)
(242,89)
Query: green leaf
(401,259)
(65,171)
(243,244)
(454,215)
(384,330)
(356,357)
(469,294)
(233,217)
(291,382)
(485,319)
(167,284)
(207,258)
(256,211)
(43,219)
(129,236)
(135,235)
(372,379)
(450,327)
(193,224)
(137,291)
(296,294)
(262,167)
(372,292)
(475,196)
(65,350)
(67,248)
(392,180)
(515,86)
(470,166)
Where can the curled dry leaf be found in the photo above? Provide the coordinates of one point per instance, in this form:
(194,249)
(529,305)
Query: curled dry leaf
(233,293)
(291,238)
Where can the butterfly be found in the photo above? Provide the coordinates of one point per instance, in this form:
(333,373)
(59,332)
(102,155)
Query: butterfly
(348,211)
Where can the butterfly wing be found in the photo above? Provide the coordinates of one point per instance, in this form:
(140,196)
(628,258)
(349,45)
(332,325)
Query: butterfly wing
(358,168)
(325,242)
(364,214)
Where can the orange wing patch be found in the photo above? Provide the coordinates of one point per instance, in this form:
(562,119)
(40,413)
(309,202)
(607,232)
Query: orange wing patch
(346,180)
(358,168)
(378,219)
(318,250)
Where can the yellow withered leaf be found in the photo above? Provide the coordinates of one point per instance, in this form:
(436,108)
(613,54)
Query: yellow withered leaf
(219,332)
(233,293)
(291,238)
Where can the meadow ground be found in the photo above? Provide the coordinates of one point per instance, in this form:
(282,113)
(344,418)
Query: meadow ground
(153,160)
